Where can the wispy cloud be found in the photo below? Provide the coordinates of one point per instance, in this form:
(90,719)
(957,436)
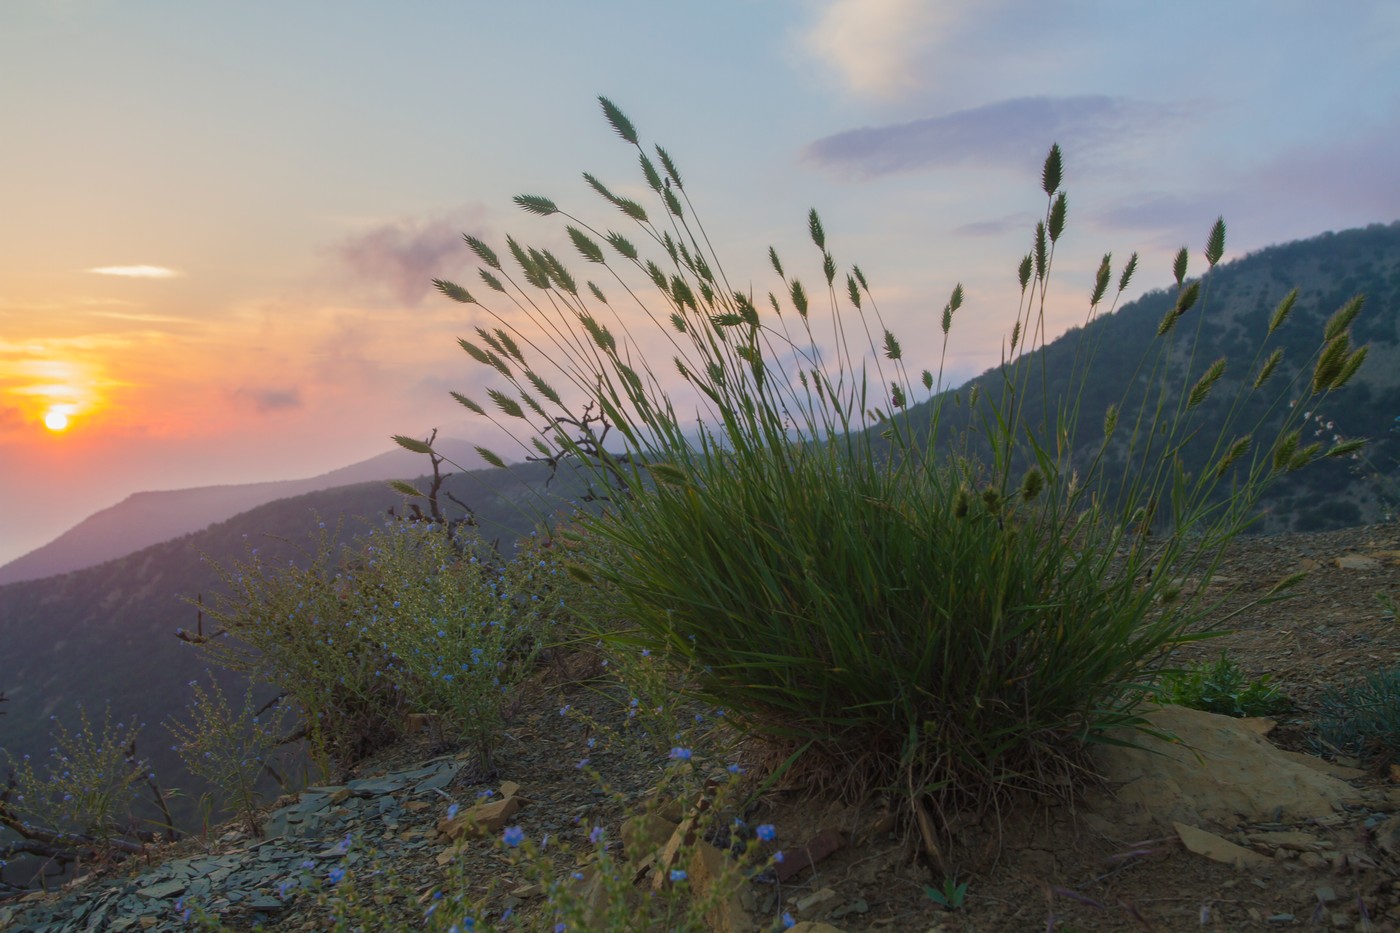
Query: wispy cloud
(137,272)
(403,257)
(1023,220)
(140,317)
(1011,133)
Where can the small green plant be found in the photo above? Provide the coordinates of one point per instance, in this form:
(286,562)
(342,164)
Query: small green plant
(1389,605)
(230,749)
(1363,720)
(951,896)
(1222,687)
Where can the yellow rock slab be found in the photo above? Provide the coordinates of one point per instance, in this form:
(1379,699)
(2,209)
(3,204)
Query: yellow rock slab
(1217,849)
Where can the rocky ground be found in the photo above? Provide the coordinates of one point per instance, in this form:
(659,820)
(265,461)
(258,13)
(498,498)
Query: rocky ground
(1253,833)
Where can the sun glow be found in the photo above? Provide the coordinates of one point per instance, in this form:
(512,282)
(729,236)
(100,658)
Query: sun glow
(47,394)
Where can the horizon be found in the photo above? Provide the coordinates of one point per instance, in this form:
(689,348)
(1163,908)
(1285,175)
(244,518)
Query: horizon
(222,223)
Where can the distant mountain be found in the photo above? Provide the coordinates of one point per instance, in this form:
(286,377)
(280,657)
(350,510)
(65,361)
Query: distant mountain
(146,518)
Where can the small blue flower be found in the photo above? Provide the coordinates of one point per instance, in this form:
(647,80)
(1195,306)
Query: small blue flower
(513,836)
(336,875)
(452,812)
(680,754)
(678,874)
(596,835)
(788,922)
(735,769)
(766,832)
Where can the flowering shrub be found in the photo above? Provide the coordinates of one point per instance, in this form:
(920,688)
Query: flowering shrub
(401,622)
(83,792)
(230,749)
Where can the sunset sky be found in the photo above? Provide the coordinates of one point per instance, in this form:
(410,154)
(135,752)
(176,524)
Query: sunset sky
(218,221)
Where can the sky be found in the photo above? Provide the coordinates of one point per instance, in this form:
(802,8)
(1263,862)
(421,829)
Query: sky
(219,222)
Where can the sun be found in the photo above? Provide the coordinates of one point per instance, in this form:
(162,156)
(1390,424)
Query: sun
(56,421)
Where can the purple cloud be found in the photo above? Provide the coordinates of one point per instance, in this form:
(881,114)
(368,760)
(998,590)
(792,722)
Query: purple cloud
(266,400)
(404,257)
(1298,192)
(1014,133)
(1160,210)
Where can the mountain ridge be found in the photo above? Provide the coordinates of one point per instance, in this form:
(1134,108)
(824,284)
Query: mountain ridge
(151,517)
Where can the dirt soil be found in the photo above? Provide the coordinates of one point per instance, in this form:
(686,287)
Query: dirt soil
(1058,868)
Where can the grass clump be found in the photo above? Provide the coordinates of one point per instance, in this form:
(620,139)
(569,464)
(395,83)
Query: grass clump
(1363,720)
(946,598)
(1222,687)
